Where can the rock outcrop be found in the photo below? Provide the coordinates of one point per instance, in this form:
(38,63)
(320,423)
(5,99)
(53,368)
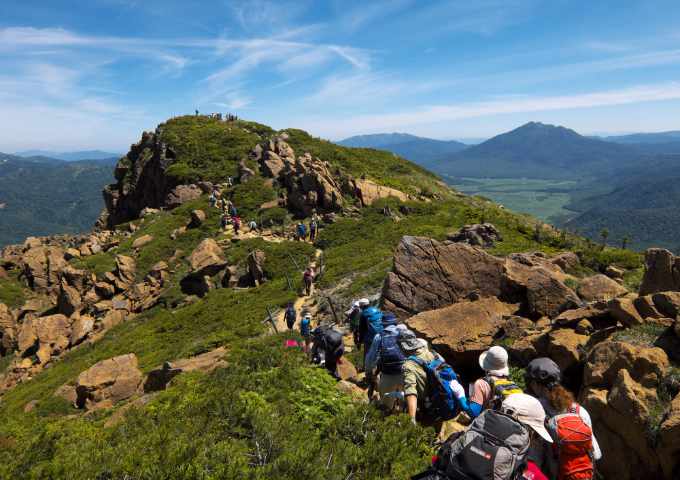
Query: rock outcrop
(108,382)
(369,192)
(206,261)
(478,235)
(662,272)
(159,378)
(600,288)
(429,274)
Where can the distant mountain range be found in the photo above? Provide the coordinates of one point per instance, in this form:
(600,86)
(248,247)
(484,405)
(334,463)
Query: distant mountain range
(46,196)
(648,138)
(427,152)
(70,156)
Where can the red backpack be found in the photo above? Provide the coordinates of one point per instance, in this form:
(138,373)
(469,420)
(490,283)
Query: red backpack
(573,445)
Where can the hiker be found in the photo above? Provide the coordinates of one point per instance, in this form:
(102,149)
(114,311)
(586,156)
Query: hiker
(252,225)
(308,280)
(386,357)
(301,232)
(370,324)
(528,411)
(329,342)
(230,182)
(236,221)
(494,447)
(313,226)
(490,391)
(306,331)
(429,381)
(232,210)
(354,318)
(224,221)
(290,316)
(573,454)
(212,199)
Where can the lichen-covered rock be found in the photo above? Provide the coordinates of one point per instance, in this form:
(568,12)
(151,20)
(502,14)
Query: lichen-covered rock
(478,235)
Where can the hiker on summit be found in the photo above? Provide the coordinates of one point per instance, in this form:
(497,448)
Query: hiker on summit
(290,316)
(308,280)
(429,382)
(328,341)
(490,391)
(528,411)
(386,357)
(575,448)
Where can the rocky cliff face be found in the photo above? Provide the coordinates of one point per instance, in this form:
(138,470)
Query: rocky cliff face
(142,181)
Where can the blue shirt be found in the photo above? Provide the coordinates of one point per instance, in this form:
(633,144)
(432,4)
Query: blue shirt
(304,327)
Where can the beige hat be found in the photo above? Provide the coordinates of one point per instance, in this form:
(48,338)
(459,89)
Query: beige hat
(495,361)
(527,410)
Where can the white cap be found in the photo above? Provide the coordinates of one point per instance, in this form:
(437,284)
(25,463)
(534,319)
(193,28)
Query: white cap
(495,361)
(527,410)
(364,302)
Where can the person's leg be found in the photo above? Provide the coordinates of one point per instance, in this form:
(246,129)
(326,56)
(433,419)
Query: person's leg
(389,384)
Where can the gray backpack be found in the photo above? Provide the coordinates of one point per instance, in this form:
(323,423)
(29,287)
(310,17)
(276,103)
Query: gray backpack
(495,447)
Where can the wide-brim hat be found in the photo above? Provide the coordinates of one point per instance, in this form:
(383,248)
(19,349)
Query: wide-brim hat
(409,342)
(495,361)
(529,411)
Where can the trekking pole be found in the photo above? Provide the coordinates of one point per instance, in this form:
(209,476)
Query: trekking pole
(271,320)
(335,315)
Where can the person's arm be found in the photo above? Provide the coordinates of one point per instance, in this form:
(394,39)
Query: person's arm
(474,409)
(412,406)
(478,392)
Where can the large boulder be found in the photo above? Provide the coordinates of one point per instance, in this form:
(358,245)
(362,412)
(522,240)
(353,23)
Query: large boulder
(667,303)
(42,266)
(125,269)
(54,334)
(429,274)
(369,192)
(108,382)
(600,288)
(478,235)
(159,378)
(564,346)
(623,310)
(669,440)
(82,326)
(662,272)
(182,194)
(462,331)
(646,364)
(69,301)
(197,218)
(142,241)
(255,262)
(207,258)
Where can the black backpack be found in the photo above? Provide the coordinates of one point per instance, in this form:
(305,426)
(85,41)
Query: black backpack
(495,447)
(391,356)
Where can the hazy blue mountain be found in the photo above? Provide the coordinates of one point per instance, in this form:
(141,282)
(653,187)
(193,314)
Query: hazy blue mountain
(44,196)
(70,156)
(657,137)
(537,150)
(427,152)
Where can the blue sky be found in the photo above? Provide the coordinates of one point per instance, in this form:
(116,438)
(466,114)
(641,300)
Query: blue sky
(94,74)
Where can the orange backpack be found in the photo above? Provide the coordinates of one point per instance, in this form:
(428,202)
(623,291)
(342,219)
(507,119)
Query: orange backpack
(573,445)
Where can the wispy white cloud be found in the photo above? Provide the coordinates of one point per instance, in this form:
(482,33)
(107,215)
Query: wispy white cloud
(450,112)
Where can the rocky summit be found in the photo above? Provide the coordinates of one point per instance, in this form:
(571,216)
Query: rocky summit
(156,346)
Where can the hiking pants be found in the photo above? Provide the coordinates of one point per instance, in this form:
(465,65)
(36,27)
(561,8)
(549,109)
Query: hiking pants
(308,286)
(390,383)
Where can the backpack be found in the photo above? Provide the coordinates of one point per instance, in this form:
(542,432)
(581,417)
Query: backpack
(501,388)
(304,327)
(391,356)
(373,318)
(291,314)
(573,445)
(495,447)
(439,378)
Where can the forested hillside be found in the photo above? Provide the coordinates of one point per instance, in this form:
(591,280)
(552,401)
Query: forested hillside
(42,196)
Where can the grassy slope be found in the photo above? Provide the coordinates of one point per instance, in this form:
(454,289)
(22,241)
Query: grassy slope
(268,415)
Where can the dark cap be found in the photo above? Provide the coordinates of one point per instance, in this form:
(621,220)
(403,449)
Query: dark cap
(544,371)
(389,319)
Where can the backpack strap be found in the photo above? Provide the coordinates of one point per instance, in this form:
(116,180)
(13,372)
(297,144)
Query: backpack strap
(417,360)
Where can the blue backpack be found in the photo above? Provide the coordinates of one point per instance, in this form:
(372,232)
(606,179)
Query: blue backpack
(373,318)
(391,356)
(439,378)
(304,327)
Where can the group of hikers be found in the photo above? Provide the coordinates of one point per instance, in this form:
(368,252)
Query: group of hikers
(505,432)
(229,211)
(304,232)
